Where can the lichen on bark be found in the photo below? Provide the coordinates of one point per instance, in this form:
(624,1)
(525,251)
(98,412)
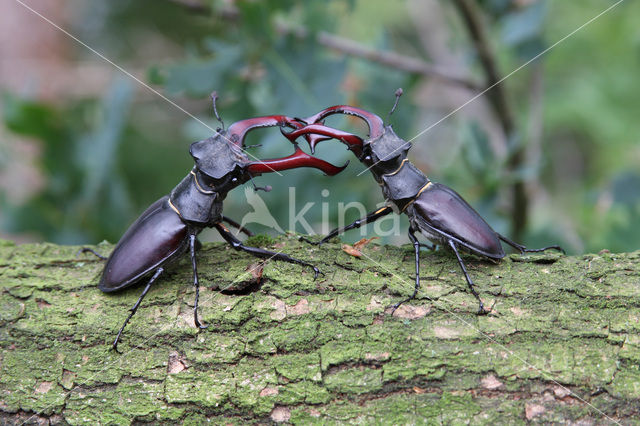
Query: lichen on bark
(560,345)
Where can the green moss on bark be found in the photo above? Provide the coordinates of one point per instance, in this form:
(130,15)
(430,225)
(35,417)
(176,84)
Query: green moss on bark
(561,345)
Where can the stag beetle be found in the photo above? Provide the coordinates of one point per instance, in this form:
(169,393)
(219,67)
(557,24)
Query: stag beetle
(169,227)
(433,209)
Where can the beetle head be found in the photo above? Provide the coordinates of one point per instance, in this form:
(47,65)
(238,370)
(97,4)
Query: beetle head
(221,163)
(386,148)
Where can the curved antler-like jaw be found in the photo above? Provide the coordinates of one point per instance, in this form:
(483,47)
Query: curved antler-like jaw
(239,130)
(298,159)
(375,123)
(383,145)
(320,132)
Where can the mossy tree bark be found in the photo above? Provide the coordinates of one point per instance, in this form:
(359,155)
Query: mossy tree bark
(561,344)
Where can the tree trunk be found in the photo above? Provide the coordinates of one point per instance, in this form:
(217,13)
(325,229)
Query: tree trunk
(561,343)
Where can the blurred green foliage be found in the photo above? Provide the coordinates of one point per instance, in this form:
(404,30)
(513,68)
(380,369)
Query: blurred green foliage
(104,160)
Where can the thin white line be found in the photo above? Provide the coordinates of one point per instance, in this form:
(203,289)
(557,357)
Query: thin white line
(461,319)
(504,78)
(134,78)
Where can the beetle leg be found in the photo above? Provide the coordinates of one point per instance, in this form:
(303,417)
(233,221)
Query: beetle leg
(196,282)
(135,307)
(523,249)
(265,254)
(236,225)
(481,310)
(416,249)
(95,253)
(371,217)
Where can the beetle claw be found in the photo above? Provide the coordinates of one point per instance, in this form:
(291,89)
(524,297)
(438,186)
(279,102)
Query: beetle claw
(316,272)
(397,305)
(482,310)
(197,321)
(306,240)
(114,347)
(90,250)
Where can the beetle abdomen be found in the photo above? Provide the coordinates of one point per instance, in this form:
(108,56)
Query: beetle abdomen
(156,236)
(444,211)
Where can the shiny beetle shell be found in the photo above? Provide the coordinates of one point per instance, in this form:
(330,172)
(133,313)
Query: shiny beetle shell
(442,211)
(155,237)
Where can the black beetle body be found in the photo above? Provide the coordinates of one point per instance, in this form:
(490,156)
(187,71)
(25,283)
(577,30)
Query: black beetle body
(169,227)
(156,237)
(442,215)
(436,211)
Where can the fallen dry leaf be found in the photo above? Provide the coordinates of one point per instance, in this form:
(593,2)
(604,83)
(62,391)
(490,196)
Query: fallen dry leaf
(255,269)
(350,250)
(363,242)
(354,250)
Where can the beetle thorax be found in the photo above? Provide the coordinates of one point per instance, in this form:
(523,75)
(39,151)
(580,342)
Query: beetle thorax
(195,202)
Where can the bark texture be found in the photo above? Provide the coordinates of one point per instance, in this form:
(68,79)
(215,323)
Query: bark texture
(561,344)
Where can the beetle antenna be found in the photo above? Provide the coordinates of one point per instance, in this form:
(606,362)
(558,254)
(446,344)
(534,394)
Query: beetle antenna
(395,104)
(214,98)
(259,188)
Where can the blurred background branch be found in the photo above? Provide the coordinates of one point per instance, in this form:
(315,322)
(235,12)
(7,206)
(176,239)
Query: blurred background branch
(475,24)
(390,59)
(350,47)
